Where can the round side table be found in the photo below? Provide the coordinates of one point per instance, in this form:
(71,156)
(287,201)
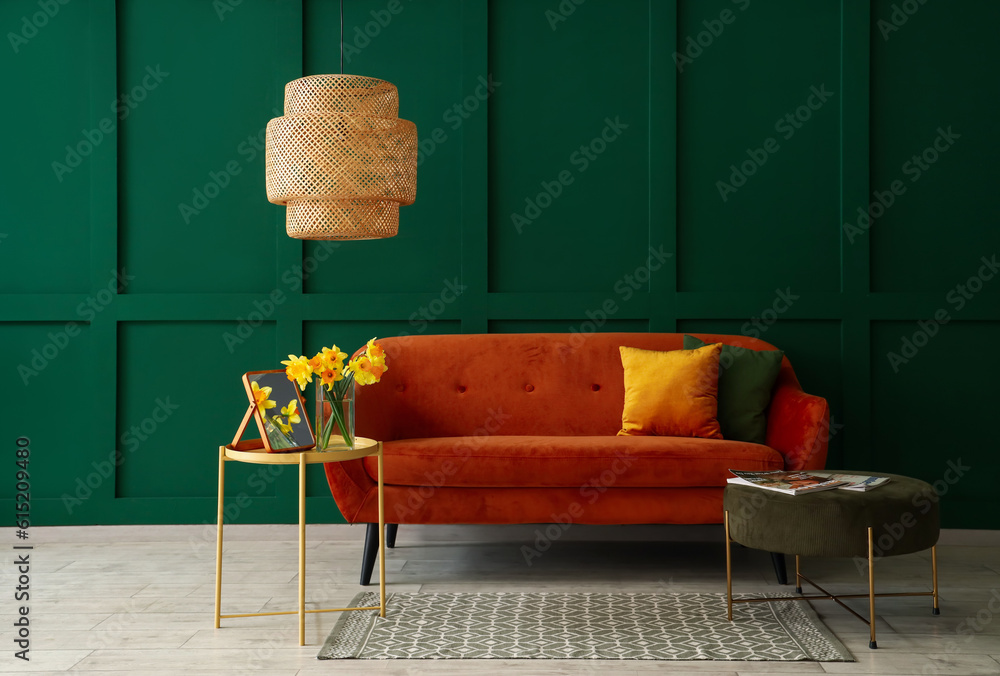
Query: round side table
(251,452)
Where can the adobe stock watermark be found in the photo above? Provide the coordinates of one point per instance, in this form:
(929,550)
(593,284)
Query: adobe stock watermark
(624,288)
(976,624)
(957,298)
(203,545)
(224,7)
(41,357)
(563,11)
(581,159)
(922,503)
(755,328)
(829,429)
(292,279)
(355,42)
(695,45)
(787,125)
(426,314)
(590,492)
(122,106)
(968,629)
(758,326)
(914,169)
(132,439)
(30,25)
(262,311)
(123,619)
(455,116)
(381,18)
(898,17)
(416,497)
(218,180)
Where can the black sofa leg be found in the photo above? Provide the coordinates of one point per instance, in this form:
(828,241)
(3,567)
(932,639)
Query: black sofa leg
(370,554)
(390,534)
(779,567)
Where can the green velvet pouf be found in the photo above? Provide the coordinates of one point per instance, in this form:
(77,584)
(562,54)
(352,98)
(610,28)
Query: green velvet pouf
(903,513)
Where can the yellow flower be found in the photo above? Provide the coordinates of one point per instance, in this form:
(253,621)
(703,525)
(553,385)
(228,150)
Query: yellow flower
(292,411)
(333,356)
(282,425)
(363,370)
(330,376)
(374,350)
(376,354)
(329,365)
(260,397)
(298,369)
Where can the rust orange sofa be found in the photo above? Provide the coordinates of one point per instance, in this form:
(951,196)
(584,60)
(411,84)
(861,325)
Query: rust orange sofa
(521,428)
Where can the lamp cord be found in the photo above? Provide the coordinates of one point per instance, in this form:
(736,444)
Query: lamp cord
(341,37)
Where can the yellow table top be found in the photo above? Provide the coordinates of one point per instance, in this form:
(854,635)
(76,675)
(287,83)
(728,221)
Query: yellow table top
(363,447)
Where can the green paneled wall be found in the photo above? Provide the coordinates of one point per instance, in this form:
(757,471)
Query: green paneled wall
(568,146)
(935,232)
(197,230)
(774,222)
(561,145)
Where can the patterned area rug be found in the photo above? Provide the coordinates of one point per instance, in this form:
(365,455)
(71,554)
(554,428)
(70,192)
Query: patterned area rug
(580,626)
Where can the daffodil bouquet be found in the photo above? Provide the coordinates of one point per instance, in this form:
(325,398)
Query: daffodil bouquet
(335,385)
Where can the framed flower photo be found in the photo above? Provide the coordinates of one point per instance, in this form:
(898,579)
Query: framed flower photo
(279,411)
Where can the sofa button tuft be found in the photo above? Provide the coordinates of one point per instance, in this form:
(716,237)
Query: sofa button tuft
(529,388)
(400,388)
(461,389)
(595,387)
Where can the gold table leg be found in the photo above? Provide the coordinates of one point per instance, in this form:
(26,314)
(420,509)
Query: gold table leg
(871,588)
(729,575)
(826,595)
(218,538)
(381,537)
(302,549)
(937,610)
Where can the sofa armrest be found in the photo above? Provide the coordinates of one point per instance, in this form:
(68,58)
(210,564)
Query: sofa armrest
(798,426)
(350,485)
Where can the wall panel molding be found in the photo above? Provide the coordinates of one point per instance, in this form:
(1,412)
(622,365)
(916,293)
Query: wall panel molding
(224,274)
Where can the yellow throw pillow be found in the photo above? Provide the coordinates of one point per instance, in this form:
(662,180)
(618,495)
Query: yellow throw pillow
(671,394)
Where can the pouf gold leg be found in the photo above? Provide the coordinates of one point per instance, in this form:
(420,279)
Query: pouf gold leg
(871,588)
(937,610)
(798,576)
(218,538)
(729,575)
(302,549)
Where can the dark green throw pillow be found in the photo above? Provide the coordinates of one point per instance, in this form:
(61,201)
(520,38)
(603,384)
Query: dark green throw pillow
(746,378)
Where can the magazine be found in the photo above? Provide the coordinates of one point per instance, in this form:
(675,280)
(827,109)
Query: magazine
(855,482)
(790,483)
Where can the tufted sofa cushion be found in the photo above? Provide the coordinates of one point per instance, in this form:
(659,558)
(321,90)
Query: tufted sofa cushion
(602,462)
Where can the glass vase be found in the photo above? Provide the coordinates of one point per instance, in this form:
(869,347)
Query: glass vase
(335,416)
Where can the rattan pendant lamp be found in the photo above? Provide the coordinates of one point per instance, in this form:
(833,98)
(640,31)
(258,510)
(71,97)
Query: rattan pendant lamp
(340,158)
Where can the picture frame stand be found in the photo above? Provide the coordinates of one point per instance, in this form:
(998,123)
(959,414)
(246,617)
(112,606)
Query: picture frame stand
(239,443)
(283,429)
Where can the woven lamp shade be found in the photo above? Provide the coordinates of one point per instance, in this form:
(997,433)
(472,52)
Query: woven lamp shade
(340,158)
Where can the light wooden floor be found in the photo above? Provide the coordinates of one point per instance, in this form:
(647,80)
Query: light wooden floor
(139,600)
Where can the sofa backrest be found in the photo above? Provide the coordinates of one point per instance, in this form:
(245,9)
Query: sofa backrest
(509,384)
